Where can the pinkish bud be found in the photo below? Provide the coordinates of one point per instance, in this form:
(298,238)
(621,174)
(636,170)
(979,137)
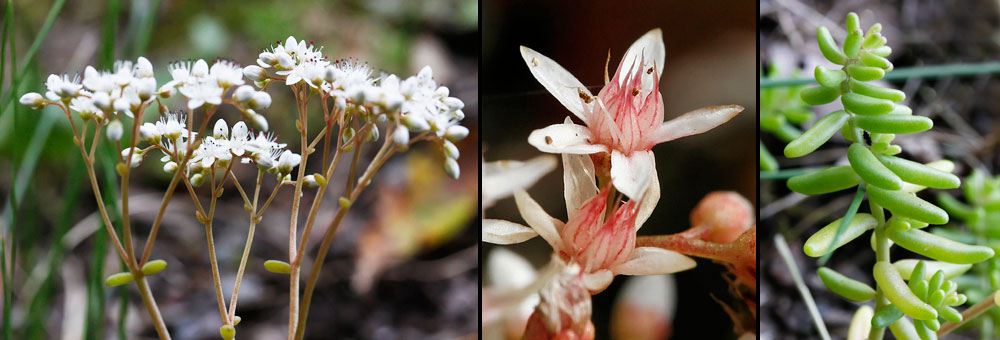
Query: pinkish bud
(564,310)
(721,217)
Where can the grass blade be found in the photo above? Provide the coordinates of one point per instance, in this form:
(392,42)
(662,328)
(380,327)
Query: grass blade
(848,217)
(786,255)
(936,71)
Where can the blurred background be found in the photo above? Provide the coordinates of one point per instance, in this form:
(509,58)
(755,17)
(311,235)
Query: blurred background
(964,110)
(404,263)
(710,61)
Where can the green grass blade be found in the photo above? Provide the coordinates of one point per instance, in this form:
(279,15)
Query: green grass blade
(936,71)
(8,99)
(784,173)
(848,217)
(786,255)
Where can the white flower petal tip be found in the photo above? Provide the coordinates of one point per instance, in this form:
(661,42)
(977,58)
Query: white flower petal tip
(508,270)
(538,219)
(505,232)
(564,138)
(598,281)
(649,200)
(632,174)
(654,261)
(648,48)
(562,84)
(695,122)
(501,178)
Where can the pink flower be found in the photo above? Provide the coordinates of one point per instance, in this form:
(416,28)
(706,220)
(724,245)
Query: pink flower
(626,117)
(600,240)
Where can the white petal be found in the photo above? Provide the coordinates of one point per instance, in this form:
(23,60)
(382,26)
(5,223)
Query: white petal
(649,200)
(564,138)
(578,180)
(562,84)
(508,270)
(695,122)
(501,178)
(597,281)
(506,232)
(631,174)
(649,47)
(538,219)
(654,261)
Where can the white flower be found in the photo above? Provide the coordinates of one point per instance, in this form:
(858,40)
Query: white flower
(287,161)
(261,100)
(351,78)
(98,81)
(456,133)
(145,88)
(226,73)
(243,93)
(201,93)
(150,133)
(310,181)
(255,73)
(266,60)
(62,87)
(172,125)
(257,120)
(297,61)
(264,150)
(211,150)
(401,137)
(143,69)
(33,100)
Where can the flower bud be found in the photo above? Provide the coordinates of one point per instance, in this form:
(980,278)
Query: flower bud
(254,73)
(144,69)
(644,308)
(102,101)
(197,180)
(166,91)
(279,267)
(228,332)
(401,137)
(221,129)
(266,59)
(721,217)
(33,100)
(373,135)
(258,121)
(287,161)
(348,133)
(453,104)
(146,88)
(261,100)
(310,181)
(170,167)
(119,279)
(441,92)
(136,156)
(451,167)
(149,133)
(456,133)
(450,150)
(115,130)
(416,124)
(121,106)
(243,93)
(153,267)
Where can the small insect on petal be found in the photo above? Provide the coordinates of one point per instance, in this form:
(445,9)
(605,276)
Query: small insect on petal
(280,267)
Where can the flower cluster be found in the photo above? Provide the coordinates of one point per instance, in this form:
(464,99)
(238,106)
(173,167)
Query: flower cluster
(417,102)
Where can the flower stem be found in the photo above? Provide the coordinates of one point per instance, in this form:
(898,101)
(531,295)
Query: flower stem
(246,248)
(978,309)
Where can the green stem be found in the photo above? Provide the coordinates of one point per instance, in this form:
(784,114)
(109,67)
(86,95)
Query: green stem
(936,71)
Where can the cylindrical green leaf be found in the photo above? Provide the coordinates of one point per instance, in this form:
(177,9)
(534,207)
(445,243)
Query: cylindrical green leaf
(818,134)
(275,266)
(942,164)
(899,294)
(897,124)
(829,78)
(819,95)
(953,206)
(872,171)
(119,279)
(865,73)
(872,39)
(819,243)
(852,22)
(829,48)
(153,267)
(849,133)
(950,314)
(882,51)
(885,316)
(939,248)
(900,109)
(852,43)
(861,323)
(923,331)
(865,105)
(849,288)
(876,91)
(902,329)
(919,271)
(908,205)
(828,180)
(767,161)
(920,174)
(870,59)
(948,270)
